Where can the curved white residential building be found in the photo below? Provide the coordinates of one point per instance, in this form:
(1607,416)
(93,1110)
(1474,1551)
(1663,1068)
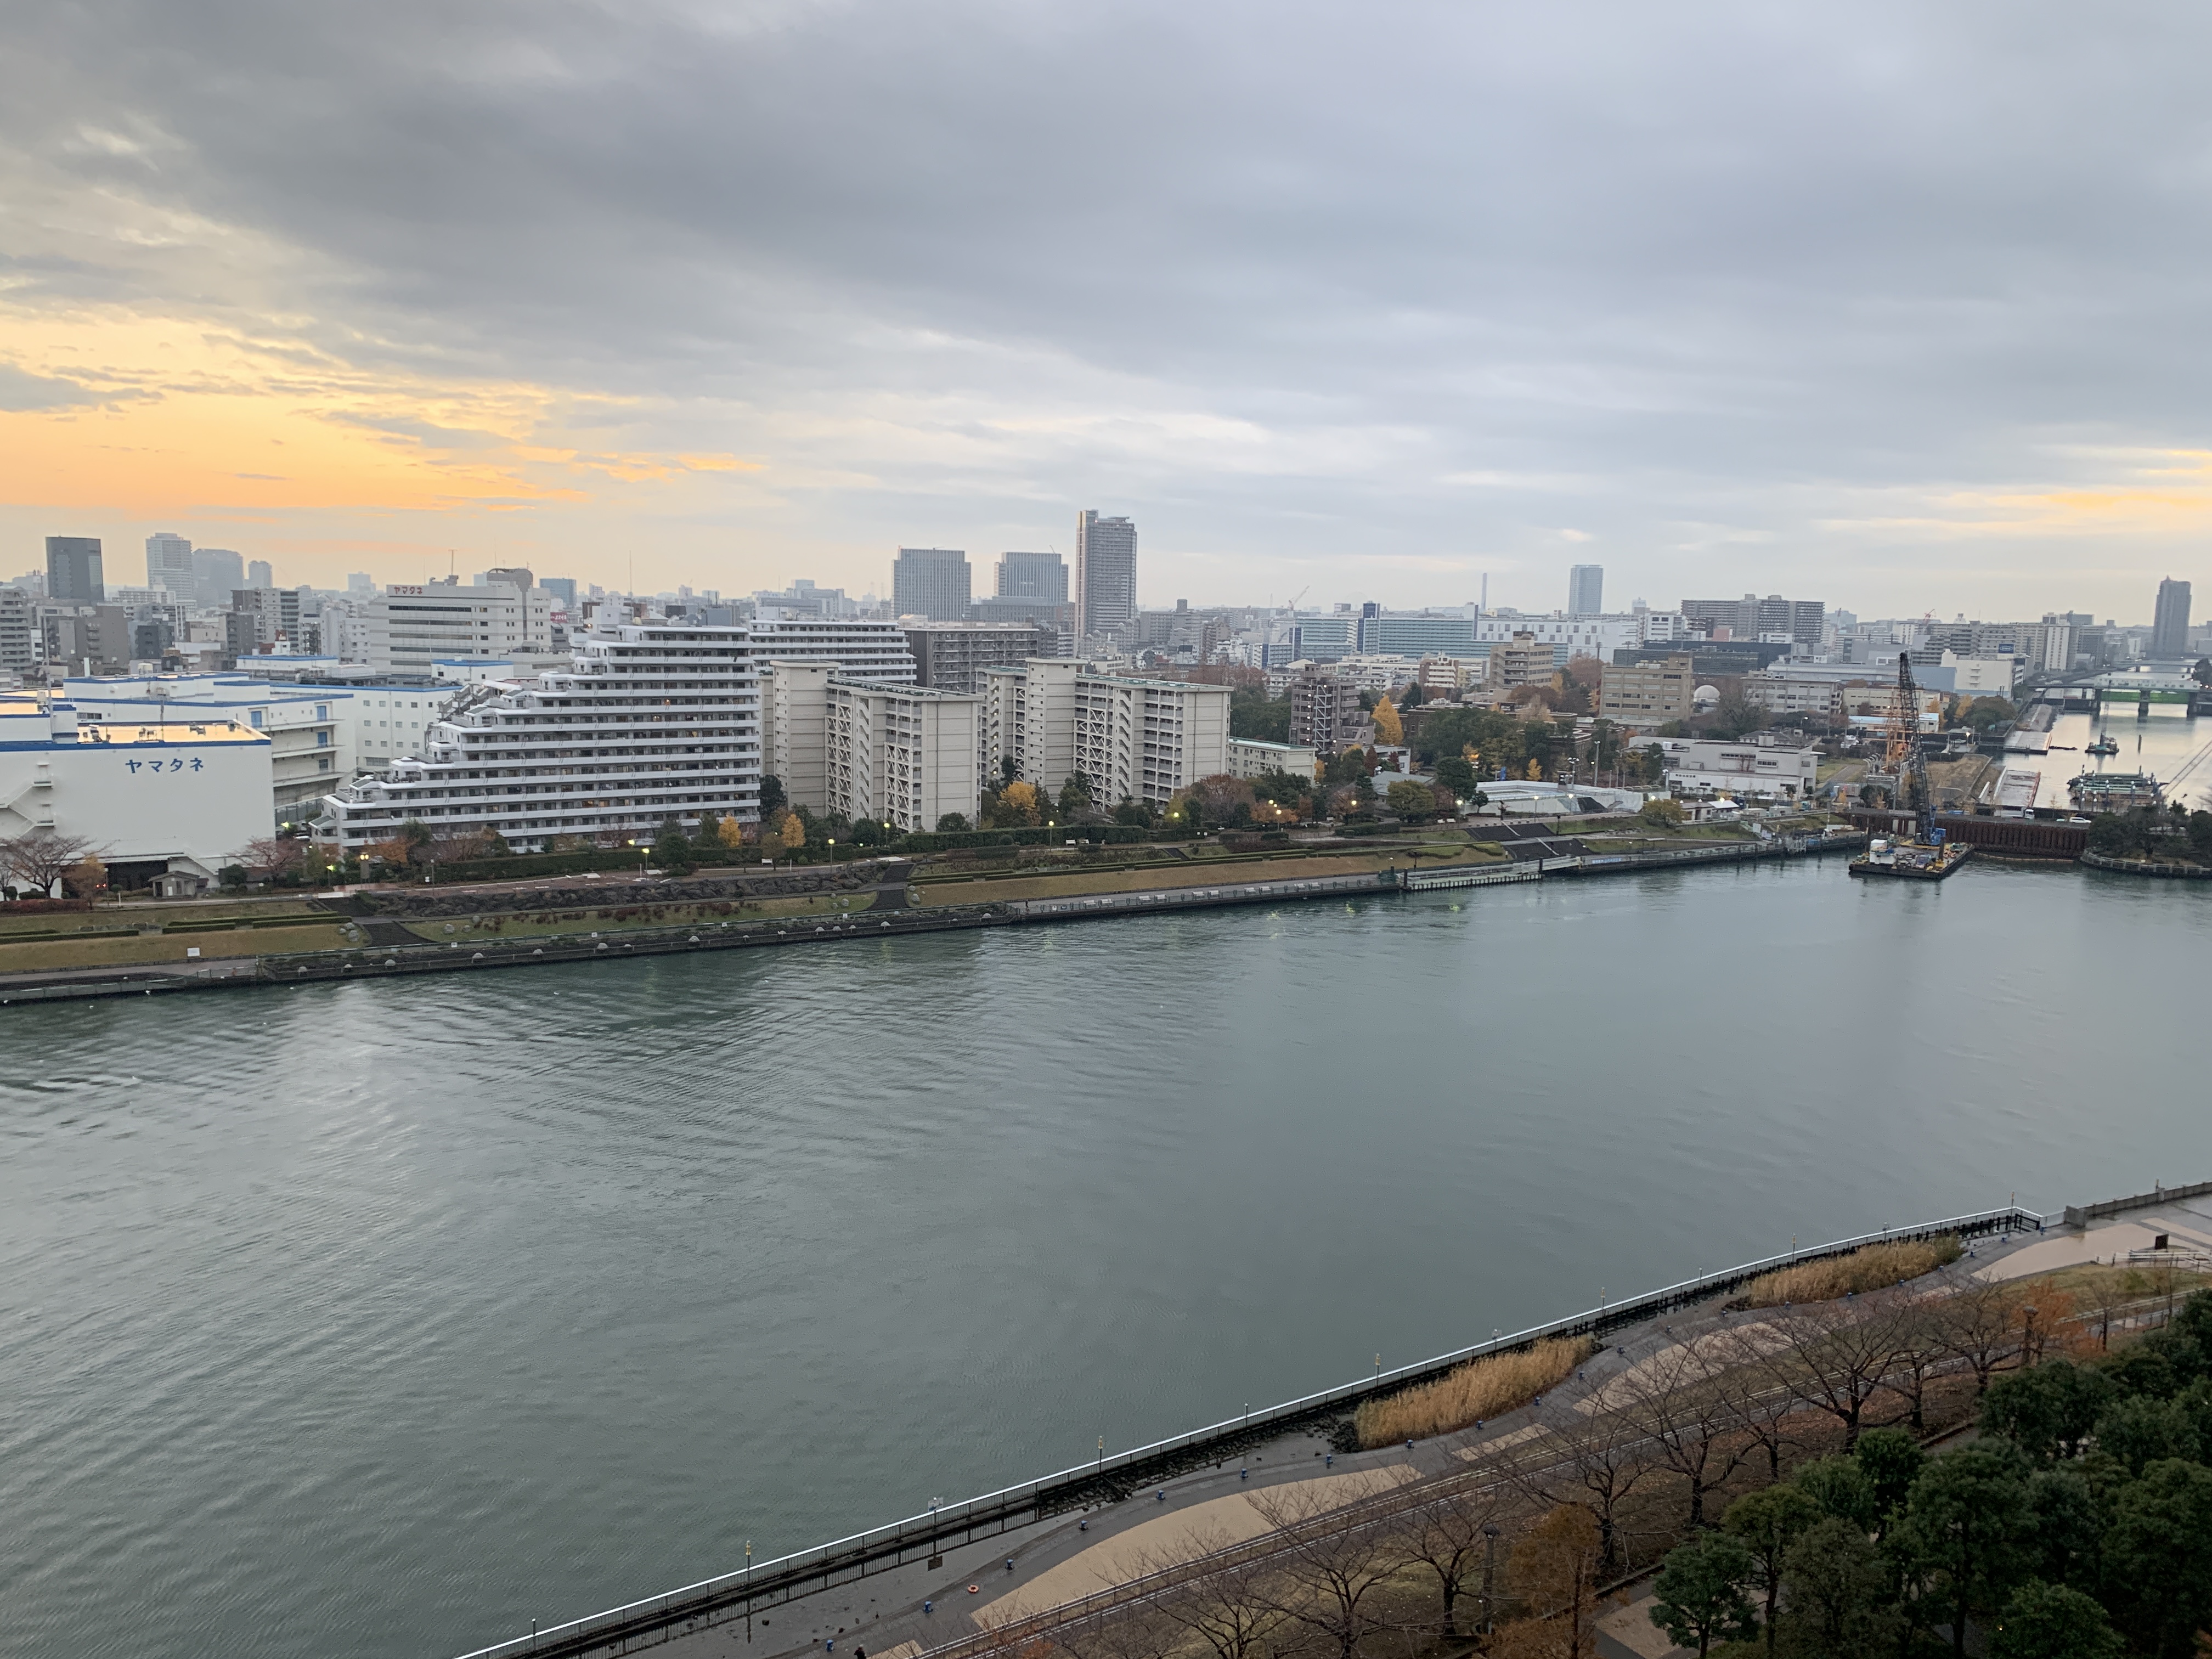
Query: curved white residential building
(655,720)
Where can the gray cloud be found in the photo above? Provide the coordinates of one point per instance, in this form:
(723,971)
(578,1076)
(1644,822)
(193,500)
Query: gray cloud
(1745,297)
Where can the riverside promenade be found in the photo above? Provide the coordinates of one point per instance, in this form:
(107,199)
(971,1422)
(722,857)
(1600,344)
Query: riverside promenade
(949,1575)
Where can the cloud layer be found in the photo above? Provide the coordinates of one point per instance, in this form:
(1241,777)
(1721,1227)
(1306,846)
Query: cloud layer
(1899,307)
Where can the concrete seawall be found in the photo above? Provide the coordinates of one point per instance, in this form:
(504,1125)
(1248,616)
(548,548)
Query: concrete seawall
(381,962)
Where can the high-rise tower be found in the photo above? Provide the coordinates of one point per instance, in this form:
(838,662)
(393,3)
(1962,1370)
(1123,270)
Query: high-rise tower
(1105,574)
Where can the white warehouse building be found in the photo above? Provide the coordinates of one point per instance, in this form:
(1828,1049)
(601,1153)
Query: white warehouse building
(164,803)
(310,729)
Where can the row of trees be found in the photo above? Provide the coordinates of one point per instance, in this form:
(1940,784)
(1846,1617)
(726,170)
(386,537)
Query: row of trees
(2147,832)
(32,863)
(2080,1522)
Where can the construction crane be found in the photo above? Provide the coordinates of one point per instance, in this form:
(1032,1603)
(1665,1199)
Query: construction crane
(1901,757)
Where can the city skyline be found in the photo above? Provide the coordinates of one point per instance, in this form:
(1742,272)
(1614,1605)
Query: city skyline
(1560,306)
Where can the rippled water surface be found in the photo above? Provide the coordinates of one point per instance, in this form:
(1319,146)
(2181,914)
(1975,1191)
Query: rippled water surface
(382,1318)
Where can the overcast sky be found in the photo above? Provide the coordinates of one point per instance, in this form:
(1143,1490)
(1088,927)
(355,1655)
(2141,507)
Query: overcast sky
(1898,307)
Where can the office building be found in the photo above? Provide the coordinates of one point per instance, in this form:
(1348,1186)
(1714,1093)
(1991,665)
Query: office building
(259,574)
(1799,621)
(804,598)
(651,721)
(861,648)
(361,585)
(1033,576)
(901,755)
(1134,739)
(88,639)
(931,582)
(169,565)
(73,572)
(562,592)
(274,614)
(2169,630)
(1105,574)
(166,803)
(217,572)
(952,656)
(310,730)
(1586,590)
(1647,694)
(410,628)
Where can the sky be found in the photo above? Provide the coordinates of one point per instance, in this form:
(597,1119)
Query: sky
(1898,307)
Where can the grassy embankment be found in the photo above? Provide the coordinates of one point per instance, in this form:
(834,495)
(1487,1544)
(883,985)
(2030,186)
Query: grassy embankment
(128,935)
(628,918)
(1481,1389)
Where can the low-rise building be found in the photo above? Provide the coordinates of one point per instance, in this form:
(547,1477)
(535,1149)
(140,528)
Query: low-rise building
(165,802)
(1766,763)
(1647,694)
(312,730)
(1523,660)
(1250,758)
(1787,693)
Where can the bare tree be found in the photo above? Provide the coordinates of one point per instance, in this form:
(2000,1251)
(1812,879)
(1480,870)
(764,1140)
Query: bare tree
(1762,1407)
(1982,1326)
(1921,1343)
(1329,1580)
(1592,1457)
(1227,1609)
(1835,1357)
(1451,1533)
(1675,1399)
(40,858)
(1132,1630)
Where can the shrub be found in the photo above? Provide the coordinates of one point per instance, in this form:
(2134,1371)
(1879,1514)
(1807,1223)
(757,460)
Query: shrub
(1869,1268)
(1484,1388)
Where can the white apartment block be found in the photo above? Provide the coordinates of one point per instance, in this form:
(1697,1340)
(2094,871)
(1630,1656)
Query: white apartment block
(310,729)
(654,720)
(1250,758)
(1135,740)
(409,628)
(861,650)
(902,754)
(794,729)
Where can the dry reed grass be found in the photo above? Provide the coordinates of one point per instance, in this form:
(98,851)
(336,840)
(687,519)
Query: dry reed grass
(1869,1268)
(1481,1388)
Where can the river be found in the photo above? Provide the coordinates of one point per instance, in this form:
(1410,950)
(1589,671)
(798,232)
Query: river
(2170,744)
(382,1318)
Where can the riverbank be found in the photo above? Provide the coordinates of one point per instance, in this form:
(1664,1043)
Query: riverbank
(663,919)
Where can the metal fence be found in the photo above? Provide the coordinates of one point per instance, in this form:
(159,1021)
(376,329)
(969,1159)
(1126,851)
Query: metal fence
(716,1600)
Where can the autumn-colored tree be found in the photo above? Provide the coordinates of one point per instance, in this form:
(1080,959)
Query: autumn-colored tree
(1663,813)
(1554,1571)
(794,832)
(272,855)
(1387,726)
(1535,770)
(1018,800)
(729,832)
(87,877)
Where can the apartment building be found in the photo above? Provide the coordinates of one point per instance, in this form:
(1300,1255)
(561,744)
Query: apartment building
(862,650)
(903,755)
(952,656)
(1645,694)
(652,721)
(1250,758)
(1524,660)
(1135,740)
(1325,711)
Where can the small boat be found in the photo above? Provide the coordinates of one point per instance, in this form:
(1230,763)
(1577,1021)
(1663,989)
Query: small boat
(2104,745)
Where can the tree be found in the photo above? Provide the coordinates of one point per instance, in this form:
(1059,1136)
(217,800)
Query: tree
(2048,1410)
(2050,1621)
(1982,1326)
(1834,1580)
(1592,1459)
(1841,1487)
(772,794)
(1833,1357)
(729,832)
(1969,1520)
(1254,715)
(1555,1570)
(951,823)
(1347,766)
(233,878)
(1009,769)
(2158,1557)
(1675,1398)
(1019,804)
(2140,1432)
(1074,795)
(671,848)
(1457,774)
(1450,1533)
(793,833)
(1331,1580)
(1134,813)
(1768,1522)
(1662,812)
(1226,1610)
(1893,1461)
(1388,728)
(85,879)
(40,858)
(1736,716)
(1414,802)
(1700,1592)
(1983,713)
